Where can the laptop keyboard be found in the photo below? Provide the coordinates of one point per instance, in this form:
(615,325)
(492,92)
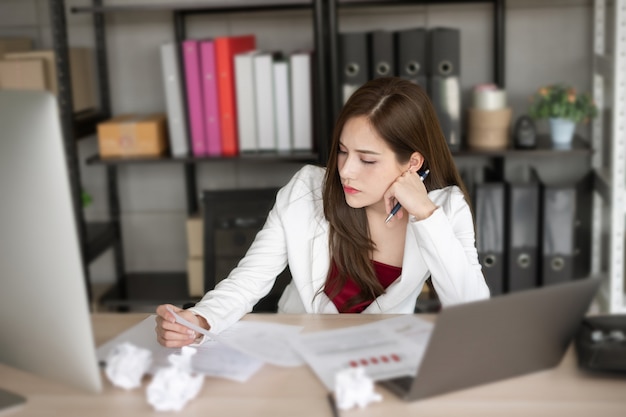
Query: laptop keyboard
(403,382)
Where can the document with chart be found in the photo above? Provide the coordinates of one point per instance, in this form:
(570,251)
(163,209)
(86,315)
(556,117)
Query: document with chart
(386,349)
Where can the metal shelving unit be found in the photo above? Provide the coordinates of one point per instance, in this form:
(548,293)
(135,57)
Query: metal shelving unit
(153,287)
(137,289)
(95,238)
(609,144)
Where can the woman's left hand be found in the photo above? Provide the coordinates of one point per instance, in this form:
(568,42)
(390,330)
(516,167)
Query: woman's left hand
(409,190)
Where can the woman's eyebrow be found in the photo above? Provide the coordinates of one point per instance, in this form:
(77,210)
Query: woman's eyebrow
(365,151)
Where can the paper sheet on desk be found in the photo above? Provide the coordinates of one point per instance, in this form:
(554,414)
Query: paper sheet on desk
(386,349)
(212,358)
(269,342)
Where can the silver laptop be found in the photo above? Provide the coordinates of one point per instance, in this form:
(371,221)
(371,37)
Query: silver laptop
(503,337)
(44,313)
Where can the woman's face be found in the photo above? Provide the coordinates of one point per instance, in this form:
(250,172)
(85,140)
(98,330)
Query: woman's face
(367,166)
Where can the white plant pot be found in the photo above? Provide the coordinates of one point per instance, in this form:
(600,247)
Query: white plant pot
(562,132)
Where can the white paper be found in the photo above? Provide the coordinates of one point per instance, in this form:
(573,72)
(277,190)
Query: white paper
(269,342)
(173,387)
(127,364)
(385,348)
(212,358)
(354,388)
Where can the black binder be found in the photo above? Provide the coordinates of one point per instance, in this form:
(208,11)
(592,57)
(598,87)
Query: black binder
(444,85)
(523,221)
(353,62)
(566,231)
(489,202)
(382,54)
(411,53)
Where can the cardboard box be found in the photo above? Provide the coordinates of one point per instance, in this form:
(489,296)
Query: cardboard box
(23,75)
(195,276)
(132,135)
(195,233)
(8,45)
(81,68)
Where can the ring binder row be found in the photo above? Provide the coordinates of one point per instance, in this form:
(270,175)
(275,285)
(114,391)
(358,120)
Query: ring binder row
(531,234)
(428,57)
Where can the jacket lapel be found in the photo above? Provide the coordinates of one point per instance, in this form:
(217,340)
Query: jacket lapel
(319,269)
(413,272)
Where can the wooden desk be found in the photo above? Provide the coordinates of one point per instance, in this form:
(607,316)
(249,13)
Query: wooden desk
(296,392)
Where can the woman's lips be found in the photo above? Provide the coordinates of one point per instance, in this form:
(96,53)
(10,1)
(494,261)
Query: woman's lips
(350,190)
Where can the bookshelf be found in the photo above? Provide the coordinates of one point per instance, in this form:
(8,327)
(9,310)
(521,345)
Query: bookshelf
(136,289)
(133,289)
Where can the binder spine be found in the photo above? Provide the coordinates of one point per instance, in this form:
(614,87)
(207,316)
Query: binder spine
(490,234)
(444,86)
(353,61)
(523,220)
(382,54)
(175,107)
(411,54)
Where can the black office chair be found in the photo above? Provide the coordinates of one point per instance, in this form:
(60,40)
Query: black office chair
(428,301)
(232,219)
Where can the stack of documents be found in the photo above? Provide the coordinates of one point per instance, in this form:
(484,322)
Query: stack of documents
(386,348)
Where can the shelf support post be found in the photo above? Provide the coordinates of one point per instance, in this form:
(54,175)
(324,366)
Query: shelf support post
(499,29)
(327,89)
(101,61)
(66,109)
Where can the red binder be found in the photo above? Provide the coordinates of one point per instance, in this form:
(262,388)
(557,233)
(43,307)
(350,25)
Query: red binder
(226,47)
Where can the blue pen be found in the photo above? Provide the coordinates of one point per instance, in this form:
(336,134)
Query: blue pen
(395,208)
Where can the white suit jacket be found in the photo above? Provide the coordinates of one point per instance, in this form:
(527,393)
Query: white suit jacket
(296,233)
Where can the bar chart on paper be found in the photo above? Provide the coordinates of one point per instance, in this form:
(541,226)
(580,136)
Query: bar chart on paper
(385,349)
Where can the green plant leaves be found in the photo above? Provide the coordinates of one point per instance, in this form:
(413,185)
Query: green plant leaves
(562,101)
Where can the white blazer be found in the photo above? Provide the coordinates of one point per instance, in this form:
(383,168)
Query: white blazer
(296,234)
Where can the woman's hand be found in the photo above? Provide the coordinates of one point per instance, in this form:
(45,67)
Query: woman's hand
(171,334)
(409,190)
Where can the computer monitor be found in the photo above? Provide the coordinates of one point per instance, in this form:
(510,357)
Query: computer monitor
(44,311)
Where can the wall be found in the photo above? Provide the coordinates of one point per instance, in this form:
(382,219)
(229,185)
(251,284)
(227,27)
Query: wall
(546,41)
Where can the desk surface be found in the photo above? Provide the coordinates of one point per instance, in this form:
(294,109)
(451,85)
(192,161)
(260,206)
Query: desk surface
(275,391)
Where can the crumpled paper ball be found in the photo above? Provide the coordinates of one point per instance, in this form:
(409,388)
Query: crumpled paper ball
(173,387)
(354,388)
(126,365)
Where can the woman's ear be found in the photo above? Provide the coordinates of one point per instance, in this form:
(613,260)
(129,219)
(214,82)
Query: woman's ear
(416,161)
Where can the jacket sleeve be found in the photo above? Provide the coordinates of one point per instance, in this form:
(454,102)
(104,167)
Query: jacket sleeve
(447,243)
(251,279)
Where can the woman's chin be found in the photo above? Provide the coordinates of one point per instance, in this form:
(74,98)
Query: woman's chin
(354,203)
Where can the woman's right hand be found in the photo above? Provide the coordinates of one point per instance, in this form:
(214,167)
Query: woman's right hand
(172,334)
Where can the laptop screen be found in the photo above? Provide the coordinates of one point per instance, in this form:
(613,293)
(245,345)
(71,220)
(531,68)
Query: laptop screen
(503,337)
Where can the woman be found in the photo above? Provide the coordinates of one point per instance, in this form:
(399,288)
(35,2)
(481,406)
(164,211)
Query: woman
(329,224)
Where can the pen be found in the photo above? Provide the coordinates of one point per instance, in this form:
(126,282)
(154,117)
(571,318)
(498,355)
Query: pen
(395,208)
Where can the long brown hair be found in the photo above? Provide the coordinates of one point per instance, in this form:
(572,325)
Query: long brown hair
(403,116)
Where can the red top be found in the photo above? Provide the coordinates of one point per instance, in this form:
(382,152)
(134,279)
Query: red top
(386,275)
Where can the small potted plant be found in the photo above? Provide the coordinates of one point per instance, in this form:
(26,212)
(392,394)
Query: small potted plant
(564,107)
(85,198)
